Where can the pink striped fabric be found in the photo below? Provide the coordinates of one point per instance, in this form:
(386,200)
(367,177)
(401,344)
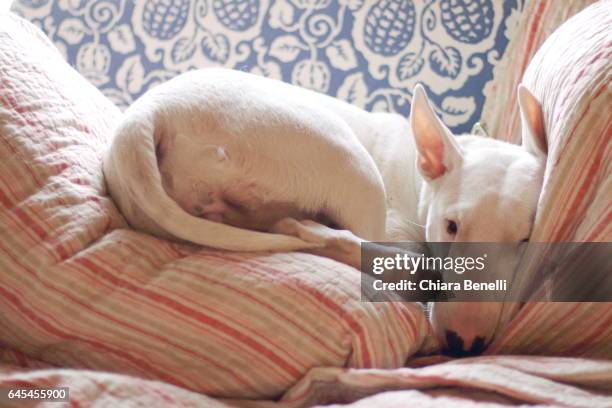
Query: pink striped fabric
(540,18)
(78,289)
(570,74)
(482,381)
(474,382)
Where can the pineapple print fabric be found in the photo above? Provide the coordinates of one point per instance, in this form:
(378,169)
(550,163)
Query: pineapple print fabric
(368,52)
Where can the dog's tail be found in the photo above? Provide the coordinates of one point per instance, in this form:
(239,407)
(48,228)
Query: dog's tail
(133,178)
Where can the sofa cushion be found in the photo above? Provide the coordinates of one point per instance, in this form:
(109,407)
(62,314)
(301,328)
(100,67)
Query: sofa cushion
(570,75)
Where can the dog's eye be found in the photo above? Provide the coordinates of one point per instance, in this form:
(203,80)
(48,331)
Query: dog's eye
(451,227)
(525,240)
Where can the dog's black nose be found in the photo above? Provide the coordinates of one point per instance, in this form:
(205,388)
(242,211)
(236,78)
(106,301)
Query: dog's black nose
(455,346)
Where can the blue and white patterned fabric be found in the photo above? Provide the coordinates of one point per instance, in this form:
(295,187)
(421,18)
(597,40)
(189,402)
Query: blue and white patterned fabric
(368,52)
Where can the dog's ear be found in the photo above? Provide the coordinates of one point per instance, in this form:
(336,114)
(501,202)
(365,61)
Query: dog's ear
(532,123)
(437,149)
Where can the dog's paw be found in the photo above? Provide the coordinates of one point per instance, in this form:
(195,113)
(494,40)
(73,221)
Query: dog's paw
(341,245)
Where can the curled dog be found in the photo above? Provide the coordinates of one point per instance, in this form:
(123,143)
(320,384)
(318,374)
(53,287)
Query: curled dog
(235,161)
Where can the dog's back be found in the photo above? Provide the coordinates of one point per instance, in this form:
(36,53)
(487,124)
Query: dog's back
(229,144)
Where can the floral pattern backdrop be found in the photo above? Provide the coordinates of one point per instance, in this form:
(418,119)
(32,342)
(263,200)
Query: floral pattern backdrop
(368,52)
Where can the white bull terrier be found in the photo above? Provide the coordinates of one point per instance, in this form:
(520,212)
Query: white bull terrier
(235,161)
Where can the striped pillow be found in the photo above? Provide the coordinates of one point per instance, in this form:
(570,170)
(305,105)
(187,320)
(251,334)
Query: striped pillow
(78,289)
(570,74)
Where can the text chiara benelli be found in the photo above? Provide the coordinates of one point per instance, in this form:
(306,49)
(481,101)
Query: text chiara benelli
(438,285)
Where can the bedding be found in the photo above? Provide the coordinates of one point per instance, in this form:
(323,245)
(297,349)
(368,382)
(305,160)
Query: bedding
(79,289)
(121,316)
(495,381)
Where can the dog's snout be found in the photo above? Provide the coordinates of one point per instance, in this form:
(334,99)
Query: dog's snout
(456,347)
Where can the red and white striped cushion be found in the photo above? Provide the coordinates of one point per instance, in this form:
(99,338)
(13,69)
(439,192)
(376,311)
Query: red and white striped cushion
(570,74)
(79,289)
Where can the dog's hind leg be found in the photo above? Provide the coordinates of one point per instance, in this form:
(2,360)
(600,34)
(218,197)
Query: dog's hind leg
(359,205)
